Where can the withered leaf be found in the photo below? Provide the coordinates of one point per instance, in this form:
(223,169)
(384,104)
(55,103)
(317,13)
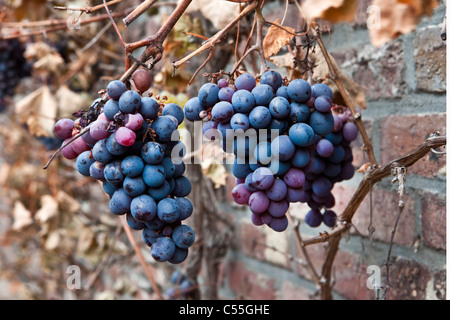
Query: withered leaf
(276,39)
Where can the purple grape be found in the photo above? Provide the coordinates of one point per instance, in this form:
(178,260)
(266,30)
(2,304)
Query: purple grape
(278,209)
(88,139)
(347,172)
(350,131)
(322,187)
(337,123)
(99,129)
(249,185)
(256,220)
(324,148)
(329,218)
(226,94)
(323,104)
(222,112)
(210,130)
(266,218)
(263,178)
(63,128)
(279,224)
(240,194)
(258,202)
(134,121)
(277,191)
(283,148)
(313,218)
(298,195)
(294,178)
(222,83)
(125,137)
(68,151)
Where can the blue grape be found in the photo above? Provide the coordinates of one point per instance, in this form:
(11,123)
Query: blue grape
(298,195)
(114,147)
(243,101)
(301,134)
(179,256)
(154,175)
(149,108)
(164,127)
(192,109)
(185,207)
(155,224)
(226,94)
(96,170)
(279,168)
(338,155)
(334,137)
(84,162)
(100,152)
(316,165)
(283,92)
(168,210)
(179,169)
(174,110)
(132,166)
(301,158)
(299,90)
(240,121)
(320,89)
(245,82)
(280,107)
(152,153)
(134,224)
(183,236)
(313,218)
(113,173)
(332,170)
(260,117)
(249,185)
(283,148)
(120,202)
(347,171)
(222,112)
(149,236)
(109,188)
(208,95)
(130,102)
(321,123)
(163,249)
(294,178)
(263,94)
(299,112)
(110,109)
(278,209)
(115,89)
(182,188)
(169,167)
(161,192)
(280,125)
(143,208)
(273,79)
(210,131)
(134,186)
(323,104)
(241,170)
(263,152)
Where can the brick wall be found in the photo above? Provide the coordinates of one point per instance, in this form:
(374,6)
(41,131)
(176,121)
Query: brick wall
(405,84)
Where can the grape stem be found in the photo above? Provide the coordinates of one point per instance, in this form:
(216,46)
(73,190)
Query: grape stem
(348,101)
(75,137)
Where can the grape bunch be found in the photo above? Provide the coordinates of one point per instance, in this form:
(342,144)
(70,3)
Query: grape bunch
(183,286)
(289,145)
(134,148)
(13,67)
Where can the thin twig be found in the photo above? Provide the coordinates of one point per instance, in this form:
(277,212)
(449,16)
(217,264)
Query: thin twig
(202,66)
(124,44)
(147,268)
(144,6)
(87,10)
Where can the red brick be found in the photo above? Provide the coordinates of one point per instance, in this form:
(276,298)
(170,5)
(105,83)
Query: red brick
(316,254)
(351,276)
(434,221)
(252,240)
(402,134)
(408,280)
(290,292)
(384,214)
(359,156)
(249,284)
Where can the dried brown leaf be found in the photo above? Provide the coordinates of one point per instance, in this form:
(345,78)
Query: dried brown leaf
(276,38)
(398,17)
(330,10)
(22,217)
